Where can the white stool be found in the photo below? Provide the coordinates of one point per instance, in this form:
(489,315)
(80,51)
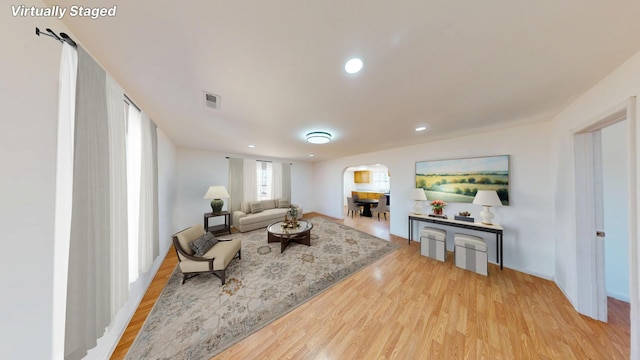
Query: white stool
(471,253)
(433,243)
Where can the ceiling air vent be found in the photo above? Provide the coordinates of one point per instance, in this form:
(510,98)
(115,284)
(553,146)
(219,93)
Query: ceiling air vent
(211,100)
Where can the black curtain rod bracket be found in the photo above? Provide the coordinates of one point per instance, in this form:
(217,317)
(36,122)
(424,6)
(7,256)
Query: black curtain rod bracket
(62,38)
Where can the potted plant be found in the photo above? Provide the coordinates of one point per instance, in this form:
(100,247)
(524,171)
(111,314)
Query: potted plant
(293,216)
(437,206)
(293,212)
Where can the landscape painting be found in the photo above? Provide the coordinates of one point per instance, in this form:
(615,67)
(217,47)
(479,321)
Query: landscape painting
(458,180)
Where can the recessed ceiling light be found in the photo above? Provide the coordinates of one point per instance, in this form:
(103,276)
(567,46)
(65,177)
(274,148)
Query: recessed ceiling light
(252,146)
(311,155)
(353,66)
(421,128)
(318,137)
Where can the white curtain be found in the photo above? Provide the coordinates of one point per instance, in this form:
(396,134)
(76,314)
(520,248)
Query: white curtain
(286,181)
(148,236)
(64,192)
(91,225)
(118,191)
(236,185)
(134,164)
(89,276)
(276,180)
(250,186)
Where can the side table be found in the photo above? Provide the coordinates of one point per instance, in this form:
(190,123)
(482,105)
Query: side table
(218,229)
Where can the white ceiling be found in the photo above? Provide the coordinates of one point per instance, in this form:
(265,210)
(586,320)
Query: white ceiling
(458,66)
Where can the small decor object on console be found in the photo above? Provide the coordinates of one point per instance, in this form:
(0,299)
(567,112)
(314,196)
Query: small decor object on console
(464,216)
(438,206)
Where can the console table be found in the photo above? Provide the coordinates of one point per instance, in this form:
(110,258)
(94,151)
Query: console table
(494,229)
(217,229)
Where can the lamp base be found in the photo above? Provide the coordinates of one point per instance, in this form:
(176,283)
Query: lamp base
(216,205)
(486,215)
(417,207)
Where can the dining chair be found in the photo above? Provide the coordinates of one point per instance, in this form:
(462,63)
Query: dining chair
(352,207)
(381,208)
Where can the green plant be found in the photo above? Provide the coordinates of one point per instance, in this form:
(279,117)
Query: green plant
(293,211)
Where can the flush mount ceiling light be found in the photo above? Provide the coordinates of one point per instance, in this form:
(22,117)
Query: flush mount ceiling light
(421,128)
(318,137)
(353,66)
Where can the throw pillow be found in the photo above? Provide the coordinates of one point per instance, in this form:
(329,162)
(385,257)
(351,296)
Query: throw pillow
(284,203)
(201,245)
(256,207)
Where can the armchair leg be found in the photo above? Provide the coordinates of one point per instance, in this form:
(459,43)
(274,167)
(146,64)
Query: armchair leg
(186,277)
(220,274)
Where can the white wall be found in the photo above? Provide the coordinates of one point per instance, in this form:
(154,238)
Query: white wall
(199,169)
(196,171)
(610,92)
(29,68)
(615,174)
(528,240)
(167,191)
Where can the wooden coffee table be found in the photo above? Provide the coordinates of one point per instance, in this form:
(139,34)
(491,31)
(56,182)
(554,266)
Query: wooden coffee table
(276,232)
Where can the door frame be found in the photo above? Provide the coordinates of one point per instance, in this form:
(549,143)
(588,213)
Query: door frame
(592,296)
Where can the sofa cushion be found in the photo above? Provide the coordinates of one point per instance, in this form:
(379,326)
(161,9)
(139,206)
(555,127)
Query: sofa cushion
(269,204)
(256,207)
(201,245)
(284,203)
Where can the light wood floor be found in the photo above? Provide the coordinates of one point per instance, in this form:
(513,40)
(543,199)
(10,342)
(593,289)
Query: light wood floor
(406,306)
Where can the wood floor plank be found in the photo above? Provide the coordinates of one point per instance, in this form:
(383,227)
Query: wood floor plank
(407,306)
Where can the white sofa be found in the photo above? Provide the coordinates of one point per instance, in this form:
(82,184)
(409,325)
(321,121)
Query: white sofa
(272,211)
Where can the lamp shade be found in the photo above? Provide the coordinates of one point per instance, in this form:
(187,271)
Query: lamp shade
(418,194)
(487,198)
(216,193)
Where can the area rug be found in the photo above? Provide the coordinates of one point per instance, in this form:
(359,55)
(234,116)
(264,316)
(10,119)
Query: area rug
(201,318)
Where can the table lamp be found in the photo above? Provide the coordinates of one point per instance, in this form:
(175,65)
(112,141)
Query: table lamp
(487,198)
(216,193)
(419,196)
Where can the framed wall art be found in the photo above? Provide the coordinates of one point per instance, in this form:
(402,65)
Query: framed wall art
(458,180)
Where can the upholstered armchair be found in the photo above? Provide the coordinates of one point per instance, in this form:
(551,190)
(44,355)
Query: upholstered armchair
(216,254)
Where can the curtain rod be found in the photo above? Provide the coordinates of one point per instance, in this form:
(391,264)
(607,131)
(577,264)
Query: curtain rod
(62,38)
(130,102)
(269,161)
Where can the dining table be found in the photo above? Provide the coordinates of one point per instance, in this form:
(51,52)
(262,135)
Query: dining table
(366,206)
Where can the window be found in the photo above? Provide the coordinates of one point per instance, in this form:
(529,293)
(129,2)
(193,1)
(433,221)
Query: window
(380,180)
(265,180)
(134,163)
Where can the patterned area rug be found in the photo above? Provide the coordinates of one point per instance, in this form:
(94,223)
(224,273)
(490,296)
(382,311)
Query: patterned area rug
(201,318)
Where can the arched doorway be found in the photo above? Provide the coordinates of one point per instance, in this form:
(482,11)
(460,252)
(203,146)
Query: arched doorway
(368,181)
